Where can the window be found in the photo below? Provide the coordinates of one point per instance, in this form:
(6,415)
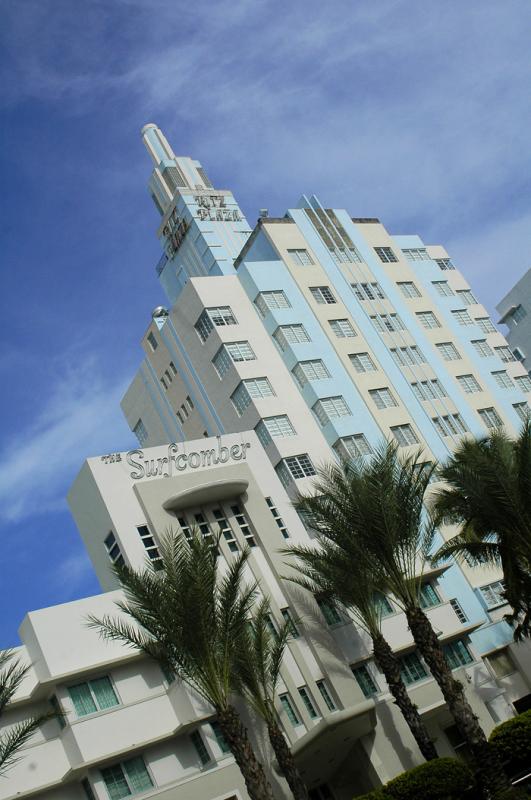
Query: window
(152,341)
(448,351)
(462,317)
(444,263)
(243,524)
(490,417)
(481,347)
(299,466)
(274,428)
(225,530)
(290,712)
(87,788)
(267,301)
(524,383)
(519,354)
(457,654)
(290,334)
(486,324)
(353,446)
(345,256)
(92,696)
(385,254)
(173,368)
(468,384)
(383,398)
(382,604)
(308,702)
(428,596)
(140,432)
(443,288)
(387,323)
(168,375)
(466,296)
(408,289)
(290,623)
(200,748)
(328,610)
(278,519)
(450,425)
(368,291)
(301,257)
(416,254)
(189,402)
(163,382)
(325,694)
(404,435)
(517,315)
(322,294)
(220,739)
(522,409)
(412,669)
(342,328)
(408,356)
(330,408)
(204,527)
(501,663)
(148,541)
(502,379)
(428,319)
(362,362)
(113,549)
(314,370)
(218,316)
(248,390)
(128,778)
(365,680)
(460,614)
(223,358)
(429,390)
(493,594)
(505,353)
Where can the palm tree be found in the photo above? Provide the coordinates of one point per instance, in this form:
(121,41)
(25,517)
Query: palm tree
(256,678)
(338,569)
(386,512)
(12,673)
(488,493)
(193,620)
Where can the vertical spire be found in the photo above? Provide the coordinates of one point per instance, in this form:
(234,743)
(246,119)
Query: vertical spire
(156,144)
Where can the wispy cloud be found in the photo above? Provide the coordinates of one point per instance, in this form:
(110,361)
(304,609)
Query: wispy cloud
(80,417)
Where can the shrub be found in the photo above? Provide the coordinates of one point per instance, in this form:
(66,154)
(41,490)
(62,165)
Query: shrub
(512,740)
(440,779)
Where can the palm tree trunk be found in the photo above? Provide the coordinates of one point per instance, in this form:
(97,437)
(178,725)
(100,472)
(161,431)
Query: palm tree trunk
(286,762)
(491,776)
(388,663)
(237,738)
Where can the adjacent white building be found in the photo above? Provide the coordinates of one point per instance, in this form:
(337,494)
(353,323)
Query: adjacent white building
(515,312)
(309,338)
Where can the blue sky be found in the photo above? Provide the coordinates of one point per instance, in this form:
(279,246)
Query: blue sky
(417,112)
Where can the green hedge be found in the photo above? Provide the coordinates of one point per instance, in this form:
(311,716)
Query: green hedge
(440,779)
(512,740)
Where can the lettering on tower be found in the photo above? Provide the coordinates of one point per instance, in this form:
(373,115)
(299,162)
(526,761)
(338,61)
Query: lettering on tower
(212,207)
(175,230)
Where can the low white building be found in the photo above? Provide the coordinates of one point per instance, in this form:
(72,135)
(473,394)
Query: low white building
(128,732)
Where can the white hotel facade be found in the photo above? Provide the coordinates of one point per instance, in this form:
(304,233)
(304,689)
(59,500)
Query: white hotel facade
(313,336)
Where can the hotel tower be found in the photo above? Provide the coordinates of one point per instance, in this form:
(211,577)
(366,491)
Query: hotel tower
(311,337)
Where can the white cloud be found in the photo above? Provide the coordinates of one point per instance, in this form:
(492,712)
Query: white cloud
(81,417)
(72,573)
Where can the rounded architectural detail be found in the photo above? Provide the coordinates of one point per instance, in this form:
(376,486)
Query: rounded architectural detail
(148,127)
(159,311)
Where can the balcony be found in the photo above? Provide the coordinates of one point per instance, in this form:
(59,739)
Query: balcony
(120,729)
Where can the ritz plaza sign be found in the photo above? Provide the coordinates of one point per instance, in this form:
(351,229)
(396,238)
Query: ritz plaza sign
(176,461)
